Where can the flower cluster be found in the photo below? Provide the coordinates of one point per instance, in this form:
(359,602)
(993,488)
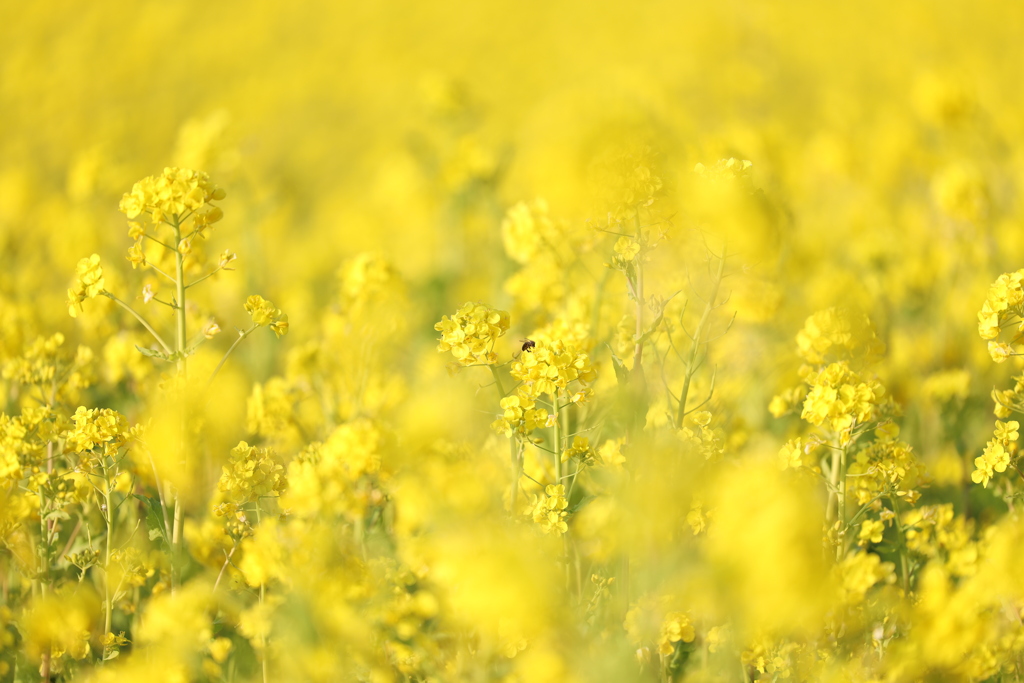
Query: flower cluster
(174,195)
(265,314)
(858,572)
(676,628)
(549,510)
(251,473)
(998,452)
(626,176)
(935,532)
(549,367)
(838,334)
(470,334)
(994,458)
(97,428)
(337,476)
(650,621)
(1004,304)
(520,414)
(841,398)
(580,449)
(89,284)
(527,229)
(795,453)
(697,432)
(885,467)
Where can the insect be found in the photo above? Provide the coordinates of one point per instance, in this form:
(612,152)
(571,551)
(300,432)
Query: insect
(528,344)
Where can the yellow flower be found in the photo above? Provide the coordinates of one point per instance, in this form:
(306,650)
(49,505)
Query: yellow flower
(136,255)
(1000,351)
(88,284)
(1006,432)
(265,314)
(993,459)
(97,428)
(251,473)
(470,334)
(171,194)
(676,627)
(871,531)
(627,248)
(859,572)
(791,454)
(549,510)
(551,366)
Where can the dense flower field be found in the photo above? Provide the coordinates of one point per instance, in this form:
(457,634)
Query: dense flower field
(515,342)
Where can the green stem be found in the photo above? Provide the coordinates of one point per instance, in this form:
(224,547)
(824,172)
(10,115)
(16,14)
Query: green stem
(691,365)
(179,283)
(223,360)
(263,588)
(208,275)
(149,328)
(638,349)
(904,564)
(159,270)
(557,439)
(44,539)
(831,507)
(227,561)
(159,491)
(160,242)
(513,449)
(108,602)
(182,367)
(841,505)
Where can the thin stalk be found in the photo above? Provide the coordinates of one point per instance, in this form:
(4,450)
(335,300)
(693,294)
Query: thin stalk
(159,491)
(223,360)
(263,653)
(160,271)
(227,561)
(182,368)
(514,458)
(208,275)
(637,374)
(44,539)
(691,365)
(149,328)
(108,602)
(556,427)
(841,504)
(904,565)
(179,283)
(831,508)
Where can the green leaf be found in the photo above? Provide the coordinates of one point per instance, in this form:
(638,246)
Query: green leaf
(154,519)
(577,506)
(621,371)
(153,353)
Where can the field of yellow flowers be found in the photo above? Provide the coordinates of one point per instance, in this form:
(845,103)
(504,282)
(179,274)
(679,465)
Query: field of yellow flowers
(519,342)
